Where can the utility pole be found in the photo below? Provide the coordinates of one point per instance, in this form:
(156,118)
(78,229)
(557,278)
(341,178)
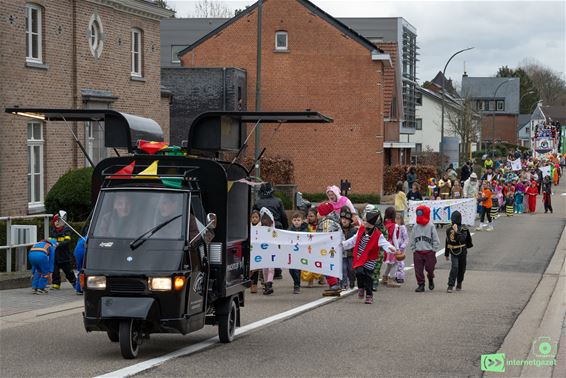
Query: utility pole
(258,89)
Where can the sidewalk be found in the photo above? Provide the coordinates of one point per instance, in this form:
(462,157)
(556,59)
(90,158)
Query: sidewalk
(16,301)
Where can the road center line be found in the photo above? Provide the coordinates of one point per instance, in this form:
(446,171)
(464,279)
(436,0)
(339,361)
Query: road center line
(151,363)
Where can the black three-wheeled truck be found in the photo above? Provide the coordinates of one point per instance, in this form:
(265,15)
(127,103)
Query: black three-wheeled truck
(168,243)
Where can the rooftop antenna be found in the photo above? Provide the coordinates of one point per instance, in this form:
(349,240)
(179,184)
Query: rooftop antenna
(465,73)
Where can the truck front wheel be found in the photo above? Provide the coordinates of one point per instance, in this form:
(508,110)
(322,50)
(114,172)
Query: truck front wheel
(130,337)
(227,322)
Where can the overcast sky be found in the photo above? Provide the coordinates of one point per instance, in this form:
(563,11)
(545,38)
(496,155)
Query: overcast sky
(502,32)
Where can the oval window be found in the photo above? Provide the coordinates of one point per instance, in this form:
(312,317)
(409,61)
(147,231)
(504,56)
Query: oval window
(95,36)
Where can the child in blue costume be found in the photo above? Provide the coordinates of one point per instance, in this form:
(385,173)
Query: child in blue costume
(79,254)
(42,259)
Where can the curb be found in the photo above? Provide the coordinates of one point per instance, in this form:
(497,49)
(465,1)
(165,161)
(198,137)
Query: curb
(543,316)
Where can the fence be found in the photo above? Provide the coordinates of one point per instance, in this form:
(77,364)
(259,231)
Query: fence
(19,238)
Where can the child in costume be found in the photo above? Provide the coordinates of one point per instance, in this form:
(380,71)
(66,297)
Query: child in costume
(297,225)
(532,193)
(266,219)
(510,203)
(349,230)
(390,259)
(400,241)
(62,234)
(546,194)
(312,222)
(457,190)
(486,201)
(401,200)
(458,240)
(329,222)
(42,259)
(383,230)
(254,218)
(519,197)
(424,244)
(79,254)
(367,243)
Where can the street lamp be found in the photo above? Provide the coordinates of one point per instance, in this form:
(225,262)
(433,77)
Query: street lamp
(493,115)
(442,116)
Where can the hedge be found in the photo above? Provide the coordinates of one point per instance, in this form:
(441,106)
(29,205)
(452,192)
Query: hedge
(72,194)
(276,170)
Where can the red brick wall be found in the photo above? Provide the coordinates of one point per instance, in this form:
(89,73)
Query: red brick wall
(391,127)
(53,87)
(505,128)
(324,71)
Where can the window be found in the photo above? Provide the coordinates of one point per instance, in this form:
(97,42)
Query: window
(281,41)
(174,51)
(500,105)
(418,148)
(94,135)
(419,124)
(137,53)
(479,105)
(95,36)
(33,34)
(419,98)
(35,164)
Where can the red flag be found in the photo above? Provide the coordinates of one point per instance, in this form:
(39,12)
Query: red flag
(125,173)
(151,147)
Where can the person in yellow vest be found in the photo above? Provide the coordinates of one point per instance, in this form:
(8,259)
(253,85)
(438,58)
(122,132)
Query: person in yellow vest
(42,259)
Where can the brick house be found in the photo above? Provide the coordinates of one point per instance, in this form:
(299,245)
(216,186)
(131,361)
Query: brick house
(497,100)
(309,60)
(71,54)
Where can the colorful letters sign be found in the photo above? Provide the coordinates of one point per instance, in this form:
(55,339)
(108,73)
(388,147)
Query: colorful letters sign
(441,211)
(319,252)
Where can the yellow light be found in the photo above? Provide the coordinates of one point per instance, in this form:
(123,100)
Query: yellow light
(31,115)
(179,282)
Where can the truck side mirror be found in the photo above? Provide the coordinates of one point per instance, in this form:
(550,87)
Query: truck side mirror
(211,220)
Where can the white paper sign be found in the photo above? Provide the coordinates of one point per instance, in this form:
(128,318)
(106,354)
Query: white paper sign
(441,211)
(317,252)
(545,171)
(516,165)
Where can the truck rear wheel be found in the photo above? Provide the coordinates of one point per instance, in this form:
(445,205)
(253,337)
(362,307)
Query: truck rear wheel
(129,333)
(227,322)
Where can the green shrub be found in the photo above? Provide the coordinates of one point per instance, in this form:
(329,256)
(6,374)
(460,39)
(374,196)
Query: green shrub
(72,194)
(287,202)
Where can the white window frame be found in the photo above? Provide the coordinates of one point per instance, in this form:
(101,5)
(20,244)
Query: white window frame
(29,34)
(35,200)
(137,55)
(97,45)
(175,58)
(417,122)
(282,48)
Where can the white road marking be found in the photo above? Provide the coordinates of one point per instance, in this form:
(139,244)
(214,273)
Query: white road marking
(151,363)
(563,194)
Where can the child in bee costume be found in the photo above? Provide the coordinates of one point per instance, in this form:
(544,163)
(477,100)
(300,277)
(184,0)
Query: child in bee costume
(458,240)
(42,259)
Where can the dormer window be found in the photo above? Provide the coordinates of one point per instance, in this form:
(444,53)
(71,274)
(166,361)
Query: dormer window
(281,41)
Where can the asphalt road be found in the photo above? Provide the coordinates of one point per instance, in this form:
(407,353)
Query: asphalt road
(403,334)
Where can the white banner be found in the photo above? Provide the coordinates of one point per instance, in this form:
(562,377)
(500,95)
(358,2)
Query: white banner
(516,165)
(317,252)
(441,211)
(545,171)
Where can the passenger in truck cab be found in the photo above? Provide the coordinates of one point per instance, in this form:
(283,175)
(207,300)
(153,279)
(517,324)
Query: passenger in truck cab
(117,222)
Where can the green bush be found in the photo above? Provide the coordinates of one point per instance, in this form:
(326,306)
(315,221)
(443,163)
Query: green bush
(72,194)
(354,197)
(287,202)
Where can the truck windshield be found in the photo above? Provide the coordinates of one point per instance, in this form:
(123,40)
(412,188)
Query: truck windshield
(126,214)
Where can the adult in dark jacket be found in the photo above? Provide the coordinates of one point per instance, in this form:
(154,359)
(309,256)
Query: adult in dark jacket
(458,240)
(411,177)
(62,234)
(275,206)
(466,172)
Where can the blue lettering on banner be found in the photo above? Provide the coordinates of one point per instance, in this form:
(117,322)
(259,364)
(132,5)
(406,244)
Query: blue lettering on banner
(264,245)
(447,208)
(257,259)
(296,248)
(435,215)
(273,257)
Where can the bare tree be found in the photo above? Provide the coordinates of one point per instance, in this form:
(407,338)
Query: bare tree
(549,84)
(212,9)
(464,122)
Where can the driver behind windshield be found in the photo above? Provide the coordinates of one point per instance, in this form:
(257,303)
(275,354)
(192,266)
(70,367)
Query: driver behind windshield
(169,206)
(118,222)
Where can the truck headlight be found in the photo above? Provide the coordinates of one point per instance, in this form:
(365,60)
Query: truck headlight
(159,283)
(96,282)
